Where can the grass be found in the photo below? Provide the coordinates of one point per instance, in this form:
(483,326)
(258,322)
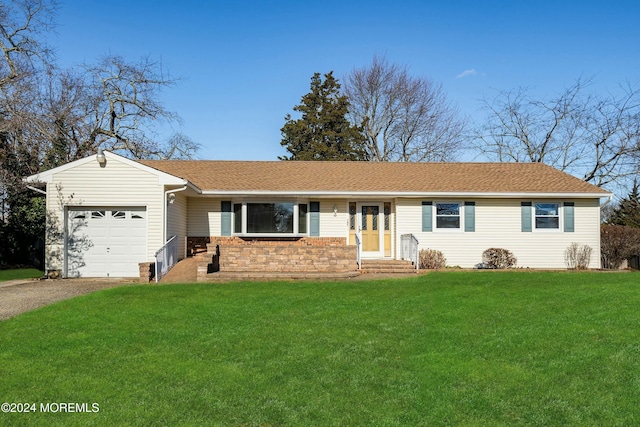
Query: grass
(453,348)
(20,273)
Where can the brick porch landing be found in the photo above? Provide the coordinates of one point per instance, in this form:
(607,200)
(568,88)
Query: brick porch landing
(186,271)
(229,259)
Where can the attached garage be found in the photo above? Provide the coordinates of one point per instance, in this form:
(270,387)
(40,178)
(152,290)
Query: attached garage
(105,241)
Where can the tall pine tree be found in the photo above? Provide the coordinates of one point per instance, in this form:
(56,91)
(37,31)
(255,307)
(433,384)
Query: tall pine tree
(323,131)
(628,210)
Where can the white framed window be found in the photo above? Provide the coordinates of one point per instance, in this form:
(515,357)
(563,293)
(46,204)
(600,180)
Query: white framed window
(546,216)
(448,216)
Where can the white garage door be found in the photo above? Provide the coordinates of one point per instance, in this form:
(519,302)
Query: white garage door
(106,242)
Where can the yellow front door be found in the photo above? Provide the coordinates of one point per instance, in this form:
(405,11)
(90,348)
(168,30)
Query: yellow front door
(370,229)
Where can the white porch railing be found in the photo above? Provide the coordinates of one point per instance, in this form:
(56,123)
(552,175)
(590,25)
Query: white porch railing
(409,249)
(166,257)
(359,251)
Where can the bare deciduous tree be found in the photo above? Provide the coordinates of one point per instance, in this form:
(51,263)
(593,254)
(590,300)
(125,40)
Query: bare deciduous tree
(404,118)
(23,53)
(49,116)
(23,25)
(113,105)
(584,134)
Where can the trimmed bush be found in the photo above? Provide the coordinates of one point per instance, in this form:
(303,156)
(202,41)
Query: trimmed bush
(431,259)
(498,258)
(577,257)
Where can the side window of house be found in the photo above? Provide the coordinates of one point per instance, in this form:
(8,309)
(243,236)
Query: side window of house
(448,215)
(547,216)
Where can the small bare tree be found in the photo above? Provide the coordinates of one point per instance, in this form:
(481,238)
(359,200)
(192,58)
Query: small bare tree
(584,134)
(577,256)
(404,118)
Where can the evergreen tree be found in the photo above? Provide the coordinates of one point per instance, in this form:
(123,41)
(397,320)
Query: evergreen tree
(323,131)
(628,210)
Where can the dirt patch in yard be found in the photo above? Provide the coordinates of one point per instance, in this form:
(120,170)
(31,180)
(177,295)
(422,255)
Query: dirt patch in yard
(20,296)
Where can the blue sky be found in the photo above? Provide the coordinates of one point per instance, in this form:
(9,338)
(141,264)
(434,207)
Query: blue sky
(245,64)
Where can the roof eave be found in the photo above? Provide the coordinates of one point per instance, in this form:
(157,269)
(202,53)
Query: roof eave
(393,194)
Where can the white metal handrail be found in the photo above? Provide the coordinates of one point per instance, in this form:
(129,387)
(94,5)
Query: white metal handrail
(359,251)
(409,249)
(166,257)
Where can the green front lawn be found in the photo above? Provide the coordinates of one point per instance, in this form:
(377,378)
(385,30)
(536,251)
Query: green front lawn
(452,348)
(20,273)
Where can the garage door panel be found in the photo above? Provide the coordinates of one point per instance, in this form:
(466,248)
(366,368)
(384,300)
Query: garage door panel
(106,242)
(96,231)
(119,232)
(137,231)
(119,250)
(138,252)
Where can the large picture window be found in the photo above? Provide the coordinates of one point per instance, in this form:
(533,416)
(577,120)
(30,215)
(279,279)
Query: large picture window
(547,216)
(270,218)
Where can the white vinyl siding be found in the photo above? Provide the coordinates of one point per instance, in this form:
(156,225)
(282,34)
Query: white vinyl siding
(203,218)
(498,224)
(118,184)
(333,225)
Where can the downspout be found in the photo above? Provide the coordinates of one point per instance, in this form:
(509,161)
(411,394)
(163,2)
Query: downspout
(609,198)
(164,211)
(606,202)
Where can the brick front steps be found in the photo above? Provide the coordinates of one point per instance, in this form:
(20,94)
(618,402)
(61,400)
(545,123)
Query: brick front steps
(387,266)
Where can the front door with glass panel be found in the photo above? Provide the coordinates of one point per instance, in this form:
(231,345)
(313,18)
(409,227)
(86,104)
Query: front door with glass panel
(370,228)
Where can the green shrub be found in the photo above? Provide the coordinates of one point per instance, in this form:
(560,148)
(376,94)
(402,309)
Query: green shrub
(498,258)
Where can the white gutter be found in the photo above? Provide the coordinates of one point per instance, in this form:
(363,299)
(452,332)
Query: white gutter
(393,194)
(37,190)
(193,186)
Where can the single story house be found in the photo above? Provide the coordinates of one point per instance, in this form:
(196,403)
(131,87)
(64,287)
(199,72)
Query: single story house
(108,214)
